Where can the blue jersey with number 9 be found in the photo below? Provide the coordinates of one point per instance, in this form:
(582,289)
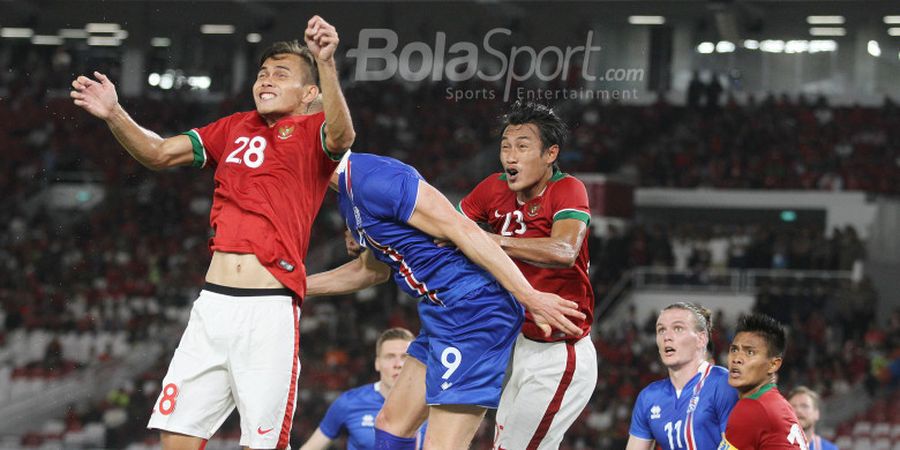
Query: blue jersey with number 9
(469,322)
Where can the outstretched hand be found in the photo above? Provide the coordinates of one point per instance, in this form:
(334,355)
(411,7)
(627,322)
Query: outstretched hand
(97,97)
(321,38)
(552,311)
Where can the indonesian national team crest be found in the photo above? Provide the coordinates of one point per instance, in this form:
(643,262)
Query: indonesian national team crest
(533,209)
(285,131)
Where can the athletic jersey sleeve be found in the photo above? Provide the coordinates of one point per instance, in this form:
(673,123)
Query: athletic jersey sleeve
(389,193)
(317,129)
(209,142)
(475,205)
(640,427)
(746,425)
(570,201)
(333,421)
(726,398)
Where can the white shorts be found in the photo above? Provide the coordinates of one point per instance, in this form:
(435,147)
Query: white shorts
(547,386)
(239,349)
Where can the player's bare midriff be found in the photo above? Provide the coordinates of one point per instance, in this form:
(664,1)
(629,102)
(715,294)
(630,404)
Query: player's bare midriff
(241,270)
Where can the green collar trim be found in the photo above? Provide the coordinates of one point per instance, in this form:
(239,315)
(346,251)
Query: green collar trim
(766,388)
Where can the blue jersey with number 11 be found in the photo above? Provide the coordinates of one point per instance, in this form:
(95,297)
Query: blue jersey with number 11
(695,419)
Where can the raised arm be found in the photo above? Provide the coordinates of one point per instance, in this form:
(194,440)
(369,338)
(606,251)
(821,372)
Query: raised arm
(435,215)
(322,40)
(560,250)
(356,275)
(98,97)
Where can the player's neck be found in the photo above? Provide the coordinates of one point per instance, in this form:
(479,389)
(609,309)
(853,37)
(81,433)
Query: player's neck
(529,194)
(810,433)
(383,388)
(756,389)
(679,376)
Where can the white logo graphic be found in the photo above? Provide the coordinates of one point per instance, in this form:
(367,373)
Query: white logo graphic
(446,385)
(654,412)
(368,420)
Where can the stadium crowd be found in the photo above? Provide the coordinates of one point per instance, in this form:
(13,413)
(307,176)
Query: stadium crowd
(78,288)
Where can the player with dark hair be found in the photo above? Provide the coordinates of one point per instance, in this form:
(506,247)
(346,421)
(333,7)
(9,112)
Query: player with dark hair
(689,409)
(540,217)
(762,418)
(470,316)
(355,410)
(272,166)
(805,402)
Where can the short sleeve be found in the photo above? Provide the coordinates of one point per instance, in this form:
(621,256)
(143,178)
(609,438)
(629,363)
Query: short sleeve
(640,428)
(209,141)
(389,193)
(333,421)
(475,205)
(726,398)
(570,200)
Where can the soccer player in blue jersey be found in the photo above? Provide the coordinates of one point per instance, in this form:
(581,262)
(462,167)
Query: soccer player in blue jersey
(689,409)
(355,410)
(805,403)
(469,314)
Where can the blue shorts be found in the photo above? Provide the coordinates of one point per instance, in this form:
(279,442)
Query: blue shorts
(465,346)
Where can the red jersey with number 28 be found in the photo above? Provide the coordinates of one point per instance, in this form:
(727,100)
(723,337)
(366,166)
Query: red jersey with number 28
(762,421)
(270,182)
(564,198)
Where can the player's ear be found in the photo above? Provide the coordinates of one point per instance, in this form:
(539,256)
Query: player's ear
(312,99)
(775,364)
(550,154)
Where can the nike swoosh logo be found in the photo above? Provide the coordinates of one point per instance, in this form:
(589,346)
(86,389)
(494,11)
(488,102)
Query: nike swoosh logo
(261,431)
(497,213)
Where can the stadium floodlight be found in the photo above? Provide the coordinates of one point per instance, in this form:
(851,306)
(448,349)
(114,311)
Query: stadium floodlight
(825,20)
(254,38)
(796,46)
(43,39)
(706,48)
(102,27)
(153,79)
(73,33)
(772,46)
(646,20)
(216,29)
(828,31)
(892,20)
(160,42)
(725,47)
(121,35)
(816,46)
(751,44)
(874,49)
(103,41)
(13,32)
(199,82)
(894,31)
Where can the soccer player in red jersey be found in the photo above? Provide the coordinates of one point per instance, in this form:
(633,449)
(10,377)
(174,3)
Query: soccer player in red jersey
(540,217)
(272,167)
(762,418)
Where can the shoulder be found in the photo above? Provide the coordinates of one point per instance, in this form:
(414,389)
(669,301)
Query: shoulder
(492,183)
(365,390)
(748,409)
(653,390)
(828,445)
(241,117)
(563,182)
(719,375)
